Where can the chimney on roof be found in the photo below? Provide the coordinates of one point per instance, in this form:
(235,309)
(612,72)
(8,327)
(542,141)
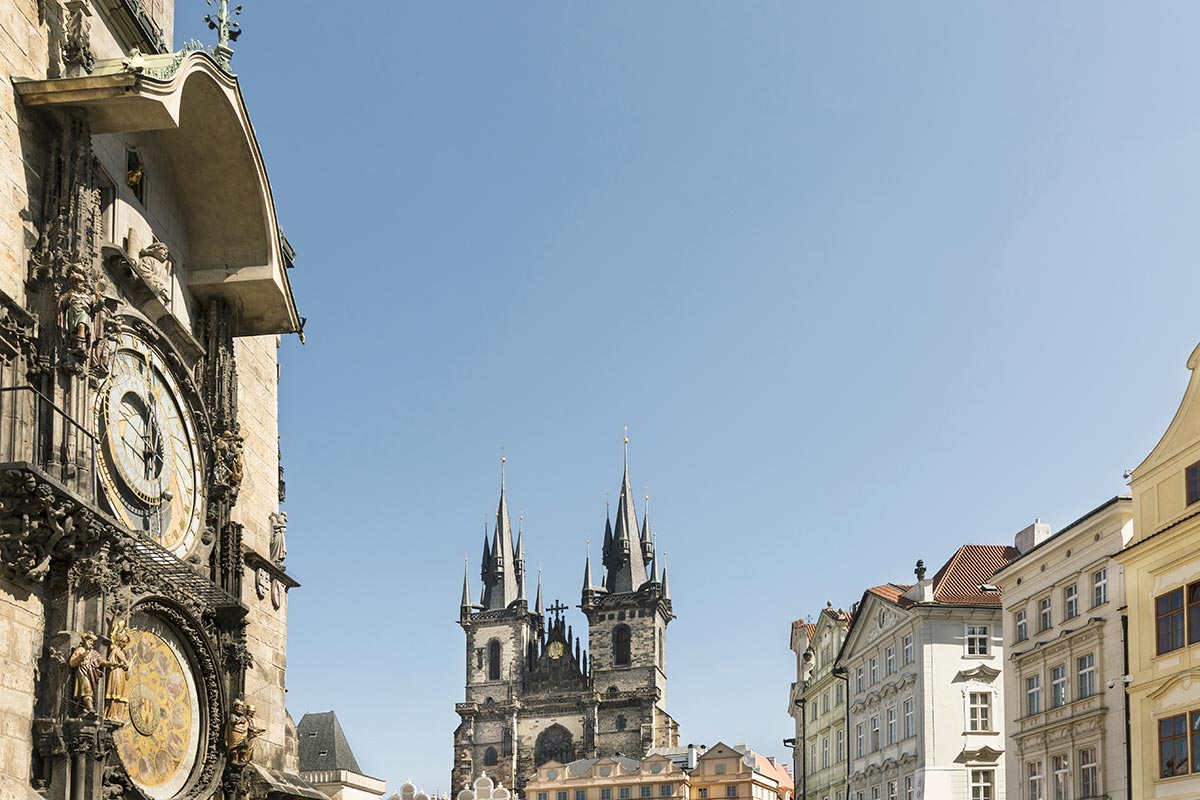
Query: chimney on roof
(1032,536)
(922,590)
(691,757)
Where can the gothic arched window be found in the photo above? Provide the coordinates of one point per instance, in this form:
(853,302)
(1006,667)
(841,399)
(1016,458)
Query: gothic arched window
(489,757)
(554,744)
(621,646)
(494,660)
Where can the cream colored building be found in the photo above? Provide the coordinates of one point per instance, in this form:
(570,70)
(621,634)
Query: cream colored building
(610,778)
(924,663)
(1162,587)
(1063,613)
(817,704)
(144,288)
(737,772)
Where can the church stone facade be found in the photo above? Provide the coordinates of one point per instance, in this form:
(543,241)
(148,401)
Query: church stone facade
(533,694)
(144,287)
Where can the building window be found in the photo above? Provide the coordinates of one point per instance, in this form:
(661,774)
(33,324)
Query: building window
(494,660)
(1034,780)
(814,753)
(858,738)
(874,670)
(1062,776)
(1193,611)
(891,793)
(910,728)
(1100,587)
(1192,474)
(1173,746)
(1169,621)
(720,769)
(623,793)
(841,745)
(1058,686)
(542,795)
(731,791)
(581,794)
(891,725)
(858,679)
(983,784)
(704,793)
(910,788)
(1089,774)
(889,660)
(1087,676)
(665,790)
(606,794)
(825,702)
(560,795)
(1033,695)
(874,793)
(490,758)
(824,752)
(874,734)
(1021,624)
(621,646)
(1045,614)
(646,791)
(977,640)
(838,694)
(908,649)
(981,711)
(135,175)
(1071,601)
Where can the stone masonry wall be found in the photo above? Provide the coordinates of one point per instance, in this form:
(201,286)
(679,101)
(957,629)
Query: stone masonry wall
(21,626)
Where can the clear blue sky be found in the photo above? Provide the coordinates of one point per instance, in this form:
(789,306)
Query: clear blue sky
(865,281)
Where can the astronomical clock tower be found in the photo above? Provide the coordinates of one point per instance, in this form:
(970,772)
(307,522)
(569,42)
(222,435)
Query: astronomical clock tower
(144,288)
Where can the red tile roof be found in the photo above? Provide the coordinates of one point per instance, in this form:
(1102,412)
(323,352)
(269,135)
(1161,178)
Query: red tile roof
(893,593)
(959,579)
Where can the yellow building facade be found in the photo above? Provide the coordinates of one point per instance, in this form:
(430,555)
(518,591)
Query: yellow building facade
(1162,580)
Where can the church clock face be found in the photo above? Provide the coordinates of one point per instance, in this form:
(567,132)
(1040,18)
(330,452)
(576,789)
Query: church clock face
(160,742)
(555,650)
(148,461)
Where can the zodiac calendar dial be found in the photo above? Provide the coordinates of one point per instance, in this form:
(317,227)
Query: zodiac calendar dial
(148,461)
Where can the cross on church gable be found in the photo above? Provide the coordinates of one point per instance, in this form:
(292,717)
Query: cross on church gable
(558,608)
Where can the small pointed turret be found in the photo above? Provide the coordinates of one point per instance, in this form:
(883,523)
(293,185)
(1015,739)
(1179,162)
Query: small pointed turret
(538,608)
(466,595)
(654,569)
(666,591)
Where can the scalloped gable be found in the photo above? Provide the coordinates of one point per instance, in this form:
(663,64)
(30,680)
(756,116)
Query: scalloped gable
(1184,430)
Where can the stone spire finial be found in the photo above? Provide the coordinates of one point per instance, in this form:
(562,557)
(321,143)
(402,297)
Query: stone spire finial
(920,570)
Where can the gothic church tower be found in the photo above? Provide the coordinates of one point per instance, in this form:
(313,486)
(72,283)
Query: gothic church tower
(531,694)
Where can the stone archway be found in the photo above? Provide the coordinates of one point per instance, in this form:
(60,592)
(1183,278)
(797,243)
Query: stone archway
(554,744)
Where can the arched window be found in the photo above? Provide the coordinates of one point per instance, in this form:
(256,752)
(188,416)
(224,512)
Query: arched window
(489,757)
(554,744)
(621,646)
(494,660)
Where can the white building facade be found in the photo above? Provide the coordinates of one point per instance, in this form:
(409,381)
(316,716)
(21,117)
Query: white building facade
(1063,603)
(926,702)
(818,706)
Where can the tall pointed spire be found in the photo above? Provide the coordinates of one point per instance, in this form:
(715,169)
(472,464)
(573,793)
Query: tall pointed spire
(626,566)
(666,591)
(505,587)
(466,595)
(537,606)
(587,569)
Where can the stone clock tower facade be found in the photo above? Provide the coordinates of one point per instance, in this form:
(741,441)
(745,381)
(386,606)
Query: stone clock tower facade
(533,695)
(143,291)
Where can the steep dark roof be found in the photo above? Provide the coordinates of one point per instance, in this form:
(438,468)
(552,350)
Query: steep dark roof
(958,581)
(323,744)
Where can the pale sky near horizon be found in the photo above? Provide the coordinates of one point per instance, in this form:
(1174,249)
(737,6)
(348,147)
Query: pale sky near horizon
(866,282)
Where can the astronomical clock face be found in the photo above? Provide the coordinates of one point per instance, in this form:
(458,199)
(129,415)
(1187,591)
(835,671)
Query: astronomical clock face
(149,464)
(160,742)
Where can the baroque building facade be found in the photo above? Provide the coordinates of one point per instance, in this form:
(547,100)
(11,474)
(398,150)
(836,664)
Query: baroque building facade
(818,705)
(1162,588)
(1063,631)
(533,693)
(924,658)
(143,290)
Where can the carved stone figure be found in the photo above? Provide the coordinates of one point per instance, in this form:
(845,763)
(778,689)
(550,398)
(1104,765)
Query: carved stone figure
(77,308)
(240,734)
(227,460)
(77,39)
(153,264)
(278,537)
(116,703)
(86,663)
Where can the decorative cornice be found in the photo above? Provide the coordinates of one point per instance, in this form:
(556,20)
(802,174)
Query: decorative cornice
(982,673)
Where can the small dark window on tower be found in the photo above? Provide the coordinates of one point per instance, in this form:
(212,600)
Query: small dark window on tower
(489,757)
(494,660)
(135,175)
(1193,482)
(621,646)
(621,723)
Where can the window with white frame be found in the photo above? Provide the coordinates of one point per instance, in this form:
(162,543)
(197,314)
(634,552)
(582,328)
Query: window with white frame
(910,787)
(1087,676)
(825,702)
(1021,625)
(907,647)
(910,725)
(858,679)
(1089,774)
(858,736)
(891,725)
(977,640)
(1058,686)
(814,753)
(983,784)
(824,752)
(1100,587)
(889,660)
(841,744)
(1045,614)
(1071,601)
(980,711)
(874,793)
(1061,777)
(1035,781)
(839,697)
(891,791)
(874,670)
(874,734)
(1033,695)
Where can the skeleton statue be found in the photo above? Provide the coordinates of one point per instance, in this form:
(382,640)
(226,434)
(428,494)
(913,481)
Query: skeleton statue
(278,537)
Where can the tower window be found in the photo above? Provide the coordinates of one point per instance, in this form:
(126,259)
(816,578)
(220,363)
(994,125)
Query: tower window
(621,646)
(490,758)
(494,660)
(135,175)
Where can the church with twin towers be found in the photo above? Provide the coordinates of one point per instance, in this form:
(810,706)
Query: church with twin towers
(534,692)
